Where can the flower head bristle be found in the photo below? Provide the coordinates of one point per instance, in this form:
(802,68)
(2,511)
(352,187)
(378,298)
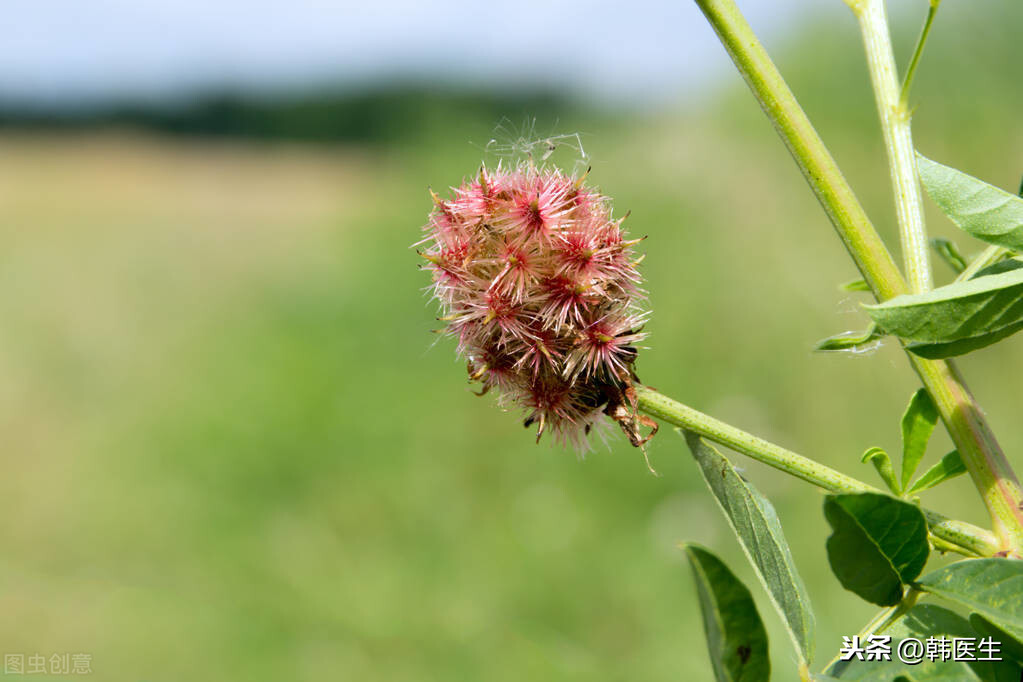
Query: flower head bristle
(539,286)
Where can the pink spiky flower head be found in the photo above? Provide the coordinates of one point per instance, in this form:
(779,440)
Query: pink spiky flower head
(539,286)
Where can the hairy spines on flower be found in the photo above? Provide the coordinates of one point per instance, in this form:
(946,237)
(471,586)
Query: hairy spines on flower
(606,346)
(539,286)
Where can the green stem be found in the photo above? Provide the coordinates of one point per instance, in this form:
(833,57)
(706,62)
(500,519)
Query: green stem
(814,160)
(991,472)
(964,421)
(907,82)
(898,140)
(973,540)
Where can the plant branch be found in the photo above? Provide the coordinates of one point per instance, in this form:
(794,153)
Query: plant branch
(914,62)
(898,141)
(974,541)
(814,160)
(990,471)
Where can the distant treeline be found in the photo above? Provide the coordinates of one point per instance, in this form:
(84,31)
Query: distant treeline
(378,116)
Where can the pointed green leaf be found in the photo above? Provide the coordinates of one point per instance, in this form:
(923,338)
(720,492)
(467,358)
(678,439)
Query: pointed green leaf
(949,253)
(993,588)
(960,310)
(950,466)
(982,210)
(883,463)
(756,524)
(917,426)
(736,638)
(999,267)
(879,544)
(849,341)
(940,351)
(855,285)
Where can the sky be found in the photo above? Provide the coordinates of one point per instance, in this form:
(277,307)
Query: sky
(75,51)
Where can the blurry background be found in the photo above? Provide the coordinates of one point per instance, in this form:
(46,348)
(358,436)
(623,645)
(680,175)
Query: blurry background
(230,447)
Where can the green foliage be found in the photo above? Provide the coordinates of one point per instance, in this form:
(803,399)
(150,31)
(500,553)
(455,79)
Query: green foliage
(897,671)
(849,340)
(949,466)
(1001,266)
(949,253)
(878,544)
(855,285)
(930,620)
(974,313)
(918,423)
(984,211)
(1012,647)
(992,588)
(921,622)
(883,463)
(951,349)
(736,638)
(758,529)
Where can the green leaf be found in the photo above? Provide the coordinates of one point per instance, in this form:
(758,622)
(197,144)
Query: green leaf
(897,671)
(949,253)
(960,310)
(855,285)
(993,588)
(930,620)
(878,544)
(849,341)
(982,210)
(1011,647)
(756,524)
(939,351)
(883,463)
(1000,267)
(736,638)
(922,622)
(950,466)
(917,426)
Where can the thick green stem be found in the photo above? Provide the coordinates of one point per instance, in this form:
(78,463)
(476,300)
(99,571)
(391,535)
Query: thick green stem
(973,540)
(815,162)
(964,421)
(898,141)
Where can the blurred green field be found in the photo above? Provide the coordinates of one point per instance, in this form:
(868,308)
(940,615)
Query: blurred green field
(232,450)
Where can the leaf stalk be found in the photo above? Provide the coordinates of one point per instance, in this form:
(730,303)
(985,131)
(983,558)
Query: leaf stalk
(969,538)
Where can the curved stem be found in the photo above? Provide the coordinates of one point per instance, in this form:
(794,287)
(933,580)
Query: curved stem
(984,459)
(975,541)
